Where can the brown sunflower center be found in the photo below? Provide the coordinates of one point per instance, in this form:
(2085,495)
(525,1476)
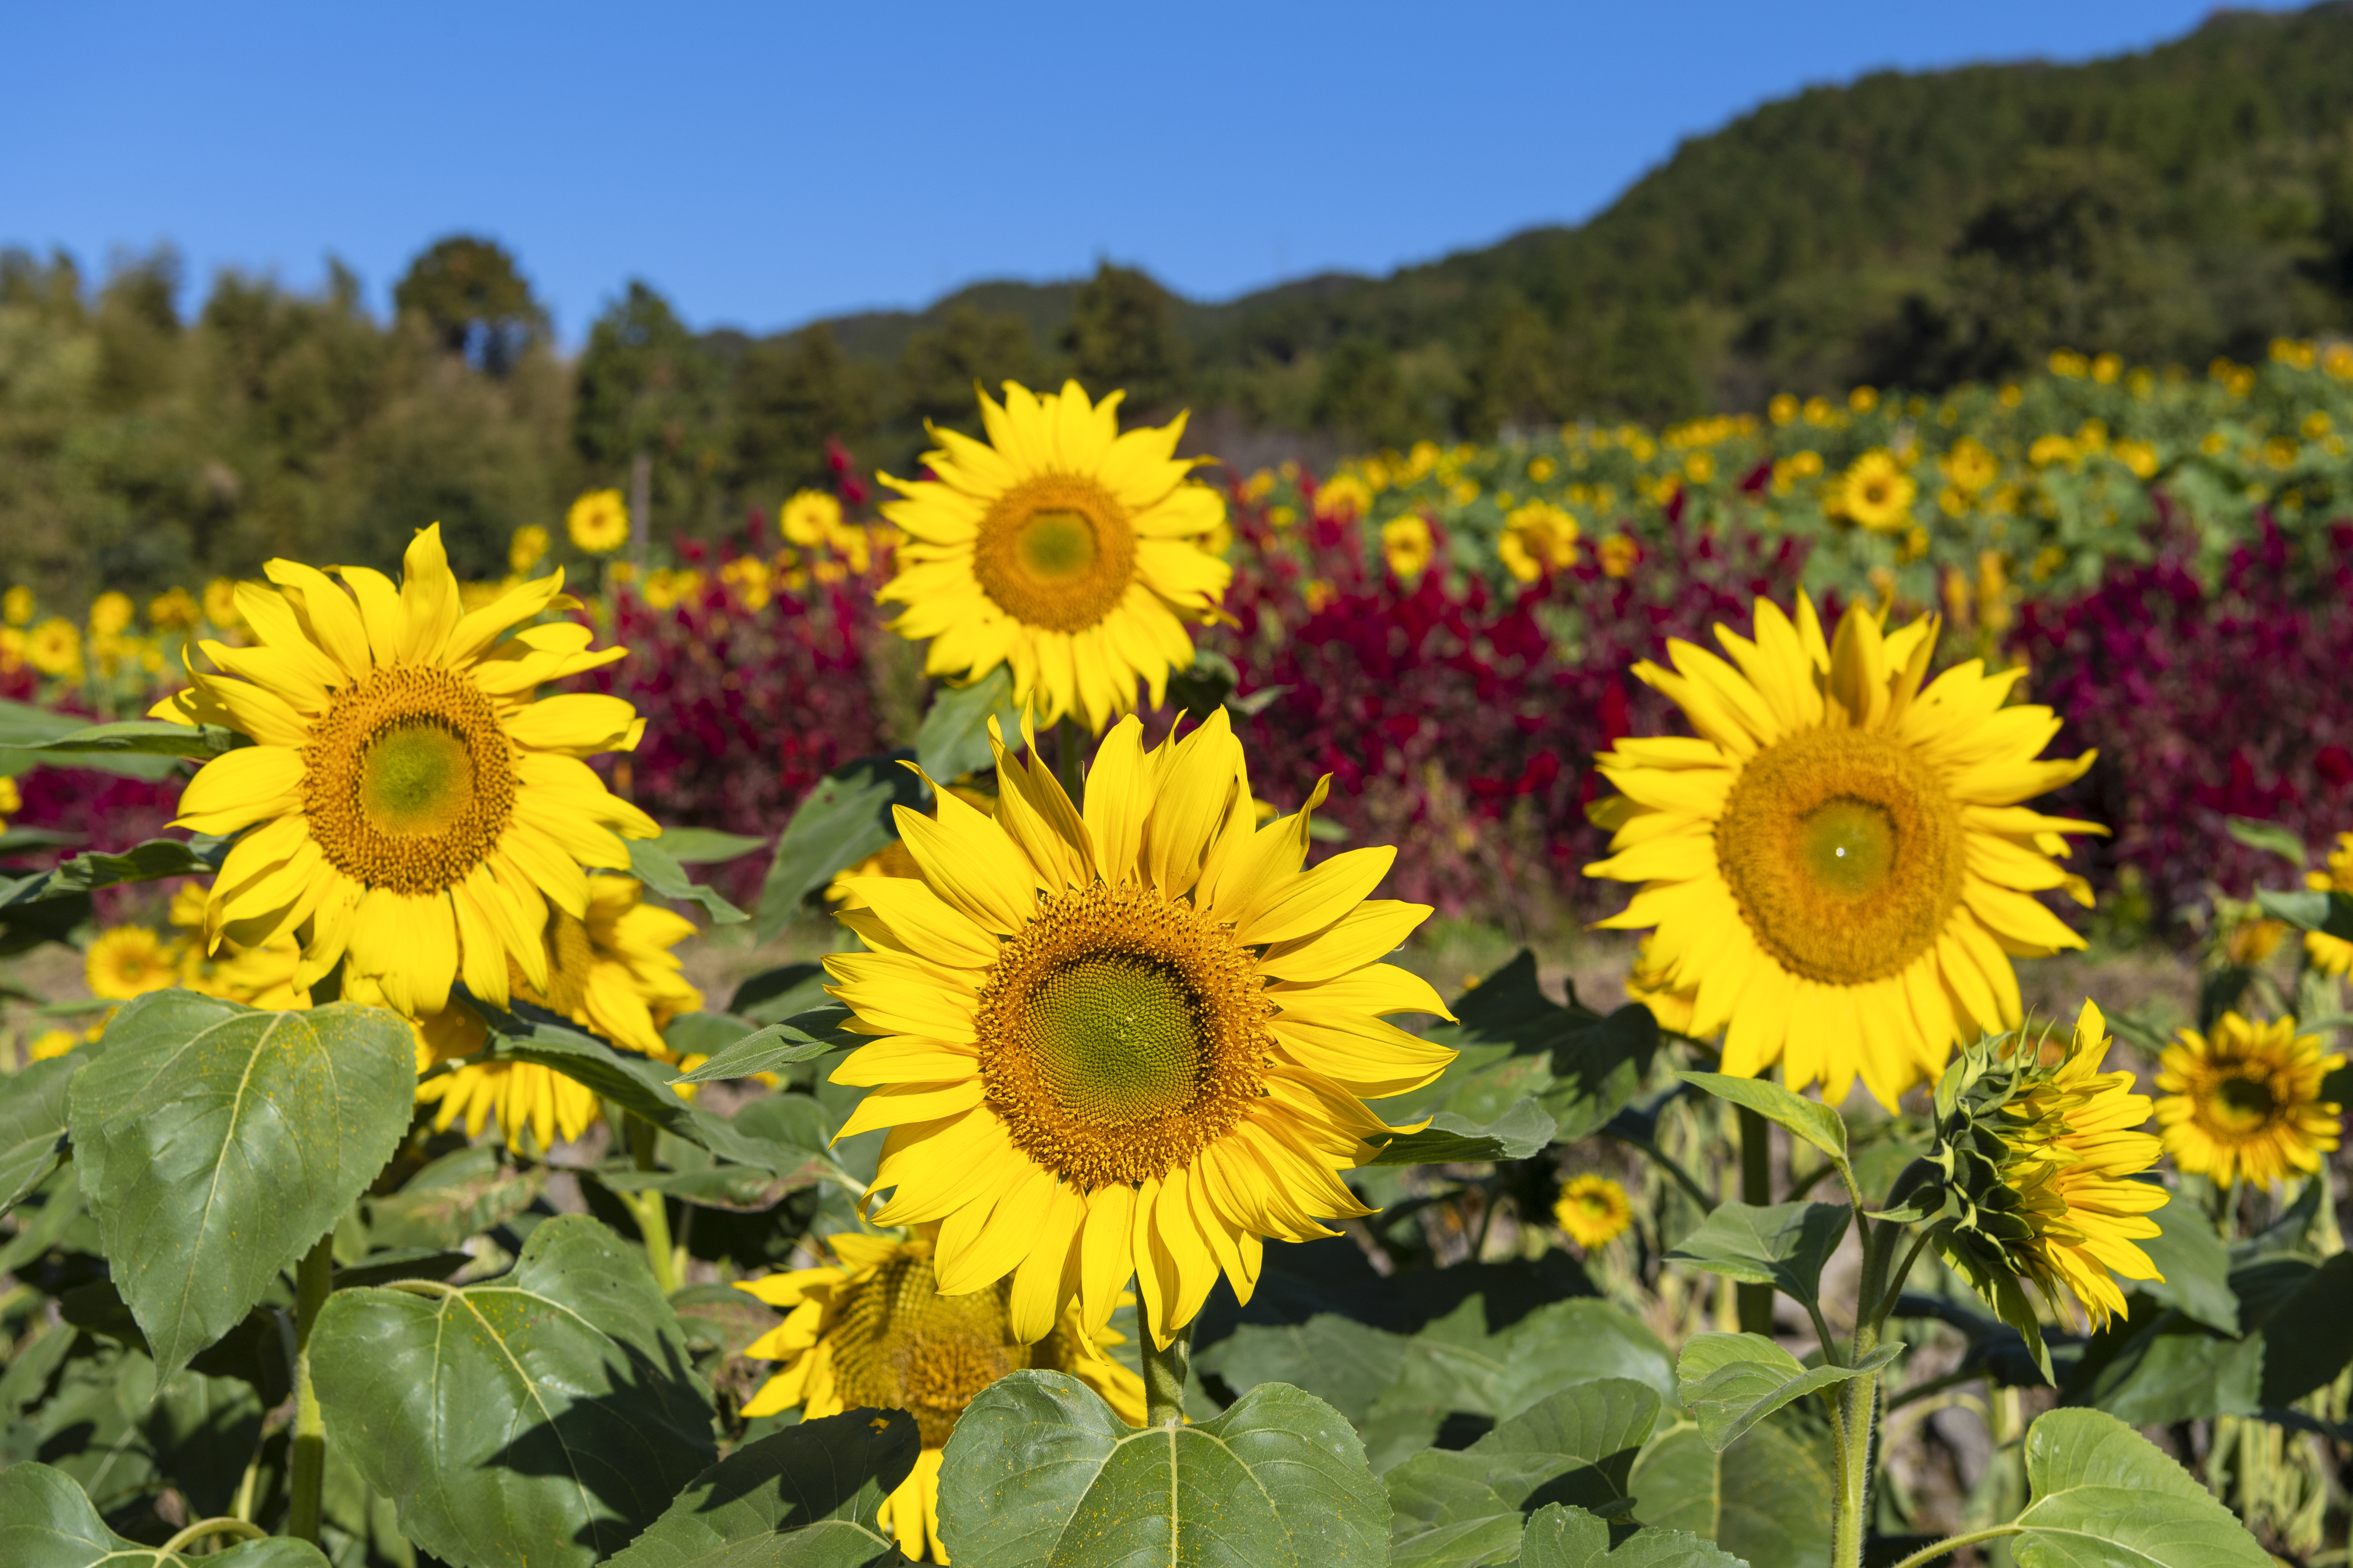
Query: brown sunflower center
(1055,551)
(1120,1035)
(1843,850)
(407,780)
(2242,1103)
(900,1344)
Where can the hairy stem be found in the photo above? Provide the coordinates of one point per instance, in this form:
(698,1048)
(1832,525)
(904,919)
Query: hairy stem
(312,1279)
(1754,1302)
(1858,1404)
(1164,1378)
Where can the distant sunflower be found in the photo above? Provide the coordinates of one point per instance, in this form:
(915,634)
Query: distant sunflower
(1875,492)
(1594,1210)
(598,522)
(256,976)
(1837,865)
(125,961)
(1135,1040)
(2244,1102)
(613,974)
(11,803)
(54,647)
(406,804)
(2332,954)
(1062,547)
(871,1329)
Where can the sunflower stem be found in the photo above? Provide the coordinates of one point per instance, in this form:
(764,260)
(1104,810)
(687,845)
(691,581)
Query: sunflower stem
(1857,1409)
(1754,1302)
(649,1211)
(1069,747)
(1164,1371)
(313,1278)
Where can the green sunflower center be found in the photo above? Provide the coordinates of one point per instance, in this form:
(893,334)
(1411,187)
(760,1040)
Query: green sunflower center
(1118,1038)
(1056,553)
(415,778)
(1055,546)
(1843,850)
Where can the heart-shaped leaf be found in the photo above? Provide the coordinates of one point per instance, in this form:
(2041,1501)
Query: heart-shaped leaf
(953,740)
(46,1521)
(1809,1119)
(1784,1245)
(1766,1499)
(2103,1496)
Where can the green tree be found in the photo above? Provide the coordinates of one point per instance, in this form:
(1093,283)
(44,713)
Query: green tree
(468,292)
(1122,335)
(969,347)
(647,384)
(1360,394)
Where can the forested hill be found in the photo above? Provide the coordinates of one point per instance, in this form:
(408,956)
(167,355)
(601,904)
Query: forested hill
(1904,230)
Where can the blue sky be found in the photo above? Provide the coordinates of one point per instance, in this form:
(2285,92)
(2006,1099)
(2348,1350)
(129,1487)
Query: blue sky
(764,165)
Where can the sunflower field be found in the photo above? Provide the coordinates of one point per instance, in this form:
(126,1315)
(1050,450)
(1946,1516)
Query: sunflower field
(1759,993)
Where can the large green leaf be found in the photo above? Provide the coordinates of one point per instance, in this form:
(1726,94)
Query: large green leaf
(1514,1042)
(1465,1508)
(1598,1066)
(2167,1368)
(706,845)
(1766,1499)
(2196,1267)
(1452,1139)
(2305,1313)
(46,1521)
(2104,1496)
(33,1125)
(953,738)
(802,1038)
(145,736)
(1559,1537)
(458,1197)
(839,823)
(1784,1244)
(148,862)
(776,995)
(1344,1363)
(806,1497)
(1041,1472)
(2329,912)
(24,728)
(1731,1382)
(543,1417)
(1808,1119)
(214,1142)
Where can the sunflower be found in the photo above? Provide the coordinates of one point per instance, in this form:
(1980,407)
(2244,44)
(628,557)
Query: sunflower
(527,548)
(1594,1210)
(2332,954)
(125,961)
(1875,492)
(2244,1102)
(406,803)
(220,604)
(11,802)
(256,976)
(1406,546)
(810,519)
(1837,866)
(598,522)
(613,973)
(54,1043)
(873,1328)
(1132,1040)
(1062,547)
(1537,538)
(54,647)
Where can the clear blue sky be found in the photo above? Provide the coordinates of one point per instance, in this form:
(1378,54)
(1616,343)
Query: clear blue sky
(763,165)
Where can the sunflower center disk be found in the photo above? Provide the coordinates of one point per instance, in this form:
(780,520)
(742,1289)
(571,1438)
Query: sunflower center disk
(2242,1104)
(1844,852)
(901,1345)
(1120,1035)
(1055,551)
(409,780)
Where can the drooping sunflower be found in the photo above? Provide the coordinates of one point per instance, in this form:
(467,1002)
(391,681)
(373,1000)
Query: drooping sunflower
(873,1328)
(613,973)
(2332,954)
(1838,865)
(1594,1210)
(1135,1039)
(125,961)
(2244,1102)
(1062,547)
(1875,492)
(406,808)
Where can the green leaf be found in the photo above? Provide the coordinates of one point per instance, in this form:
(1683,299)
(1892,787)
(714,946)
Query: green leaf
(2329,912)
(1040,1470)
(148,862)
(2196,1267)
(148,737)
(33,1125)
(781,1043)
(2306,1316)
(1344,1363)
(545,1417)
(1808,1119)
(775,995)
(216,1143)
(706,845)
(1559,1537)
(953,738)
(1513,1041)
(2104,1496)
(1784,1245)
(254,1351)
(840,822)
(455,1198)
(1766,1499)
(650,862)
(2170,1369)
(1731,1382)
(23,727)
(1459,1509)
(46,1522)
(2268,836)
(1598,1067)
(1451,1140)
(806,1497)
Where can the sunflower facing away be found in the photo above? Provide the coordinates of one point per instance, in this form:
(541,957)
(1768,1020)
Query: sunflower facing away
(2244,1102)
(1838,865)
(406,808)
(1062,547)
(873,1328)
(1594,1210)
(1133,1040)
(613,973)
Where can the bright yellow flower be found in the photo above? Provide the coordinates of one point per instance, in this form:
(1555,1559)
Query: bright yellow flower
(2332,953)
(871,1329)
(1646,983)
(109,613)
(598,522)
(1133,1040)
(17,606)
(1344,495)
(1874,492)
(2244,1102)
(11,803)
(1062,547)
(527,548)
(1619,555)
(56,1043)
(1837,865)
(54,647)
(125,961)
(256,976)
(1405,546)
(1594,1211)
(408,809)
(1537,538)
(220,604)
(810,518)
(174,609)
(2139,456)
(1969,466)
